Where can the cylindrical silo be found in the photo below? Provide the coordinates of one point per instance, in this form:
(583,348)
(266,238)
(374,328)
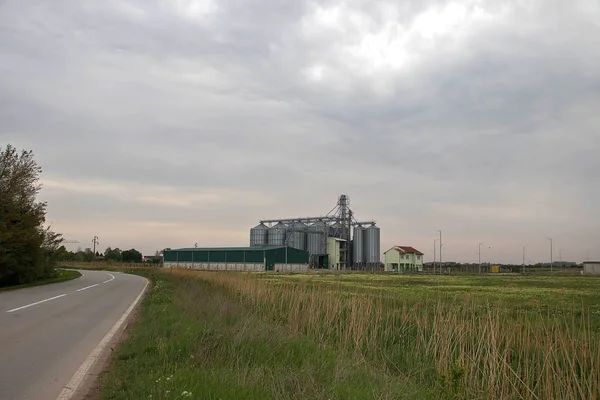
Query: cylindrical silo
(358,245)
(258,235)
(337,230)
(372,245)
(276,235)
(296,236)
(317,238)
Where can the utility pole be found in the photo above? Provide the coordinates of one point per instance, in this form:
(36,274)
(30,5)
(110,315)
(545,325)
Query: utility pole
(551,259)
(523,267)
(95,242)
(479,252)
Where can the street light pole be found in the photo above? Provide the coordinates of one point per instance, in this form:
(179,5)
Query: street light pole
(440,250)
(434,240)
(479,252)
(551,259)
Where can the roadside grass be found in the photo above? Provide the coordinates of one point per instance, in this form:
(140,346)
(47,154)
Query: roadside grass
(62,275)
(194,338)
(228,335)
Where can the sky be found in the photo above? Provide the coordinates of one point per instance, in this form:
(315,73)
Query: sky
(165,123)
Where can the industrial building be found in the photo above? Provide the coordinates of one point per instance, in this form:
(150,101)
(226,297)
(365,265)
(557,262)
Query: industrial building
(403,259)
(591,267)
(327,239)
(257,258)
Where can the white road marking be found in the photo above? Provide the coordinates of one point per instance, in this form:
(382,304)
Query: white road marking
(87,287)
(79,376)
(36,303)
(112,278)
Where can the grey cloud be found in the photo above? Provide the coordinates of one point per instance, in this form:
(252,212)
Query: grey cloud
(502,122)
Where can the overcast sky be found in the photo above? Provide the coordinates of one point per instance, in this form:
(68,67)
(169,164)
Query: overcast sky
(162,123)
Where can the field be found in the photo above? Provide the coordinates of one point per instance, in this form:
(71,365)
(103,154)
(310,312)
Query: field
(217,335)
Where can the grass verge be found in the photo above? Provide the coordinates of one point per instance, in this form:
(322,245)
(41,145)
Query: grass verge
(62,275)
(194,338)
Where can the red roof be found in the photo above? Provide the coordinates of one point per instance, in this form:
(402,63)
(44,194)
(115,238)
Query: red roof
(407,249)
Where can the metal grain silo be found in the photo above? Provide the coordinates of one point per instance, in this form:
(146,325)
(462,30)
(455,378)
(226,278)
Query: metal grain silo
(258,235)
(358,245)
(296,236)
(372,245)
(317,238)
(276,235)
(338,230)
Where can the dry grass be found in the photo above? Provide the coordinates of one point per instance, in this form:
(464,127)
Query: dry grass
(472,350)
(194,339)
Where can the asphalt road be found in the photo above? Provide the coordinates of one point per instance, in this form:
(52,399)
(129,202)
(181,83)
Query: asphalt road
(47,332)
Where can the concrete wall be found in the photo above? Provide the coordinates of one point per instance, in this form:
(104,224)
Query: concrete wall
(237,267)
(291,268)
(217,266)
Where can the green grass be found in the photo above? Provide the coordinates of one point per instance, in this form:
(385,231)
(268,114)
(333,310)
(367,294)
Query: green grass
(194,336)
(62,275)
(223,335)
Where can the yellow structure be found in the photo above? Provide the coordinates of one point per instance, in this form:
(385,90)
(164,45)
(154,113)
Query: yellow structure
(336,257)
(495,269)
(403,259)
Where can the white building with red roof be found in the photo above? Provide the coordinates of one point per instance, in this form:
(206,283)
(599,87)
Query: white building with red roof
(403,259)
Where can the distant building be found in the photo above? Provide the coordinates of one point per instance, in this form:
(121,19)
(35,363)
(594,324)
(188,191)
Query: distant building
(591,267)
(258,258)
(403,259)
(335,256)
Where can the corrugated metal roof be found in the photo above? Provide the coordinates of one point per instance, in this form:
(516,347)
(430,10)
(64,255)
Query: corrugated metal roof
(260,248)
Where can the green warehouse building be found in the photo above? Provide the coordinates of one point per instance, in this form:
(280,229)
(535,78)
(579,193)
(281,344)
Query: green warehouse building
(264,258)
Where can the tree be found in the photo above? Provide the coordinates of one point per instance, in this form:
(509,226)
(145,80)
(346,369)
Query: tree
(27,249)
(51,250)
(132,256)
(62,254)
(88,255)
(113,254)
(157,259)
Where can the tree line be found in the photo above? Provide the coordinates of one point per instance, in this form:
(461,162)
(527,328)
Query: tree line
(109,255)
(28,248)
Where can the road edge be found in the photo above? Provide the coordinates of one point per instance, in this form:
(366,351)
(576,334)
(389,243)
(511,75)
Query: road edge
(76,382)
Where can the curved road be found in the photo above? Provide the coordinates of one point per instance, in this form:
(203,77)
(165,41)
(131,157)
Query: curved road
(47,332)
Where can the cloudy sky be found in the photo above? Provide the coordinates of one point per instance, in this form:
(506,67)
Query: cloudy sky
(162,123)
